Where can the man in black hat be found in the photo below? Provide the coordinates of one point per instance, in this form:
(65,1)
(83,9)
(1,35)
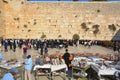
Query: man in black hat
(68,59)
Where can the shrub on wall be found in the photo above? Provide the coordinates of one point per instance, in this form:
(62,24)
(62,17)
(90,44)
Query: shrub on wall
(98,10)
(86,29)
(5,1)
(96,27)
(25,26)
(29,30)
(22,2)
(34,23)
(112,27)
(83,25)
(95,31)
(76,37)
(43,36)
(59,36)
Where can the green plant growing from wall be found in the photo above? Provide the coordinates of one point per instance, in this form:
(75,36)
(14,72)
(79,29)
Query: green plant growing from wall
(96,29)
(95,32)
(17,18)
(5,1)
(86,29)
(34,23)
(59,36)
(118,25)
(25,26)
(28,22)
(22,2)
(83,25)
(34,19)
(112,27)
(29,30)
(96,26)
(43,36)
(98,10)
(76,37)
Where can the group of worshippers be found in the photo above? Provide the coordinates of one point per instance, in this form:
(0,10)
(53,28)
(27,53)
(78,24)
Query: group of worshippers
(36,43)
(41,45)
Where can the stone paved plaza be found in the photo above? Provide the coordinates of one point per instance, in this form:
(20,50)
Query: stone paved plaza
(72,49)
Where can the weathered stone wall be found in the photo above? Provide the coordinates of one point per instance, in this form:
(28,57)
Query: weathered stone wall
(2,24)
(23,19)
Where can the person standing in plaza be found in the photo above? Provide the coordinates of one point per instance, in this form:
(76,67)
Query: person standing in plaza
(10,75)
(14,46)
(28,68)
(25,52)
(1,57)
(5,45)
(0,46)
(68,58)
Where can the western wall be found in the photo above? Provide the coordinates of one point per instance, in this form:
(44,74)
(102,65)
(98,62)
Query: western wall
(58,20)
